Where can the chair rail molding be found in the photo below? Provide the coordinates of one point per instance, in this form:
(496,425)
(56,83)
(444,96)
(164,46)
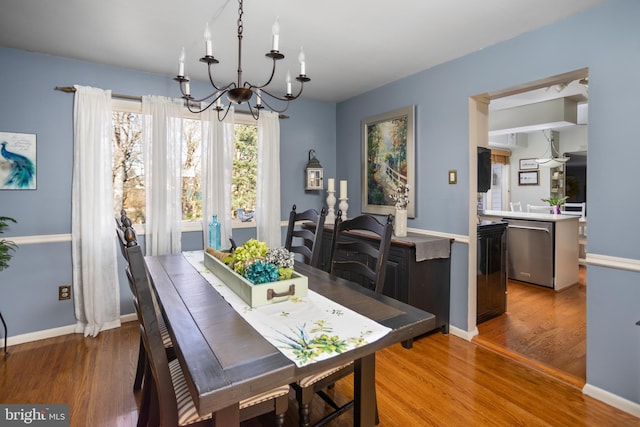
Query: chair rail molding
(458,238)
(613,262)
(45,238)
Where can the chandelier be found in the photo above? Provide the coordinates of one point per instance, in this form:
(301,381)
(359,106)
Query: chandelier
(240,92)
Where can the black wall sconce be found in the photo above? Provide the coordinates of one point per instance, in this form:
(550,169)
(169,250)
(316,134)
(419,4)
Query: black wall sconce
(313,173)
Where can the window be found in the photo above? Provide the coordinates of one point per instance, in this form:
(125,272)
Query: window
(128,166)
(245,172)
(191,170)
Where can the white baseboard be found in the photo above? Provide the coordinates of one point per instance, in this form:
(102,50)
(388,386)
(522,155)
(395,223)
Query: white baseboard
(611,399)
(467,336)
(54,332)
(131,317)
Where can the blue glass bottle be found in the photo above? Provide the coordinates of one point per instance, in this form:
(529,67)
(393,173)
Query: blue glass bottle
(214,233)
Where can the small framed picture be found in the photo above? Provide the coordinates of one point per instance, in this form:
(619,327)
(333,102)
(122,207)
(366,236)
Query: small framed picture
(18,165)
(528,178)
(528,164)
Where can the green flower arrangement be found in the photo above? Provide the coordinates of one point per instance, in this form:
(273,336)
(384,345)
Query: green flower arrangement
(259,264)
(244,255)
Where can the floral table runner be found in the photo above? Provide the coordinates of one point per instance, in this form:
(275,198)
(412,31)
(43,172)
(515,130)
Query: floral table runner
(307,329)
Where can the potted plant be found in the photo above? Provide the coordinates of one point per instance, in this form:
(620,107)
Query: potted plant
(6,246)
(555,202)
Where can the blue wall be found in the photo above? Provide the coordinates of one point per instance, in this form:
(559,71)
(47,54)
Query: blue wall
(29,287)
(606,39)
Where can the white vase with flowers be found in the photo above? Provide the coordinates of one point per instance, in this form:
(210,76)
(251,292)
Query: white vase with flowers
(401,200)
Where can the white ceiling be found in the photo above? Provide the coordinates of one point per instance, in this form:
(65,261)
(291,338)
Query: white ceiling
(351,46)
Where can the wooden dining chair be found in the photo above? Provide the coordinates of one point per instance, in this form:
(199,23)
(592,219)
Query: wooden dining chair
(364,263)
(171,402)
(357,260)
(577,209)
(126,239)
(309,243)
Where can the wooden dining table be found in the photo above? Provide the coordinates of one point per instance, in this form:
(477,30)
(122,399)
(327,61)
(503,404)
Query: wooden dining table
(226,360)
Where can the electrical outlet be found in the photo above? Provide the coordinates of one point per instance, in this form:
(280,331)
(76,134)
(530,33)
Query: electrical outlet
(64,292)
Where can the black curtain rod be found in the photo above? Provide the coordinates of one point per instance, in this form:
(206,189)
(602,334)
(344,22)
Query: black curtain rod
(71,89)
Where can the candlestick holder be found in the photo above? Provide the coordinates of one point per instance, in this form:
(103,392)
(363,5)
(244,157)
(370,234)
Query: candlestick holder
(331,202)
(343,207)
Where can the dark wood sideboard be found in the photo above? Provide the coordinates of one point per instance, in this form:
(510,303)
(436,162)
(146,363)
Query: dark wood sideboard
(422,284)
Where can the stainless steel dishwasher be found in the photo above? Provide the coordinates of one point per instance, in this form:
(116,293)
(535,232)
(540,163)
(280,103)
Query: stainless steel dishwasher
(530,251)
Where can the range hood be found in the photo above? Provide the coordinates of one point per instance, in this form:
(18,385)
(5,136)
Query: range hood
(551,114)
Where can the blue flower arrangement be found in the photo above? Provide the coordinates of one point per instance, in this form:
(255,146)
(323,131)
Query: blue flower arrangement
(262,272)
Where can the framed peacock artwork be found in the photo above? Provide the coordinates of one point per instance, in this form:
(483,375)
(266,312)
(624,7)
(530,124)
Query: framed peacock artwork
(17,161)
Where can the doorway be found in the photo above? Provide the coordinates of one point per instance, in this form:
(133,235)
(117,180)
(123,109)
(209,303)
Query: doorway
(542,328)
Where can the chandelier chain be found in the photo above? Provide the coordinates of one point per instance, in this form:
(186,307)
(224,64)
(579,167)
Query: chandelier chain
(240,13)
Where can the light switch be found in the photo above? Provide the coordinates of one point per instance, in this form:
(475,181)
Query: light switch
(453,176)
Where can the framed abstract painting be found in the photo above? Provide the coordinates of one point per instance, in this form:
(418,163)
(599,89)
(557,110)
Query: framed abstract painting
(17,161)
(388,157)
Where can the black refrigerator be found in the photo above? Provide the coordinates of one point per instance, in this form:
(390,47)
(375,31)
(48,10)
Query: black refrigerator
(491,270)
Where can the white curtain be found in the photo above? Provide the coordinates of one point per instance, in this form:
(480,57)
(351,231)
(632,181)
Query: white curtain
(162,168)
(95,277)
(217,165)
(268,188)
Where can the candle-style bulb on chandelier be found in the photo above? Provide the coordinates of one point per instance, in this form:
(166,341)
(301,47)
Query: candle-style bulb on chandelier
(240,92)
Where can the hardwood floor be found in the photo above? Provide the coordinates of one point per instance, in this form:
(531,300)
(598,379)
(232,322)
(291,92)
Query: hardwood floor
(542,328)
(442,381)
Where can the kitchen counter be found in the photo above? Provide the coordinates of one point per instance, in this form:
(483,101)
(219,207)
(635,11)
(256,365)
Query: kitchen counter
(565,244)
(493,215)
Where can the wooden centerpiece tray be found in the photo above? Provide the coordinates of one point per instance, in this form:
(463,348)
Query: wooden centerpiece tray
(261,294)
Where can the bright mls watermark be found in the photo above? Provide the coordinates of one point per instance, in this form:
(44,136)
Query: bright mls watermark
(36,415)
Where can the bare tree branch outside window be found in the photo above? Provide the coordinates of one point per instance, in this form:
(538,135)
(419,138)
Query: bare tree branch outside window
(191,171)
(128,165)
(128,168)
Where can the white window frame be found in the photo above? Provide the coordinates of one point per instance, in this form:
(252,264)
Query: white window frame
(135,106)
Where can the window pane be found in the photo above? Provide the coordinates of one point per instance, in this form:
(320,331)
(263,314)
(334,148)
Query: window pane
(245,170)
(191,171)
(128,166)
